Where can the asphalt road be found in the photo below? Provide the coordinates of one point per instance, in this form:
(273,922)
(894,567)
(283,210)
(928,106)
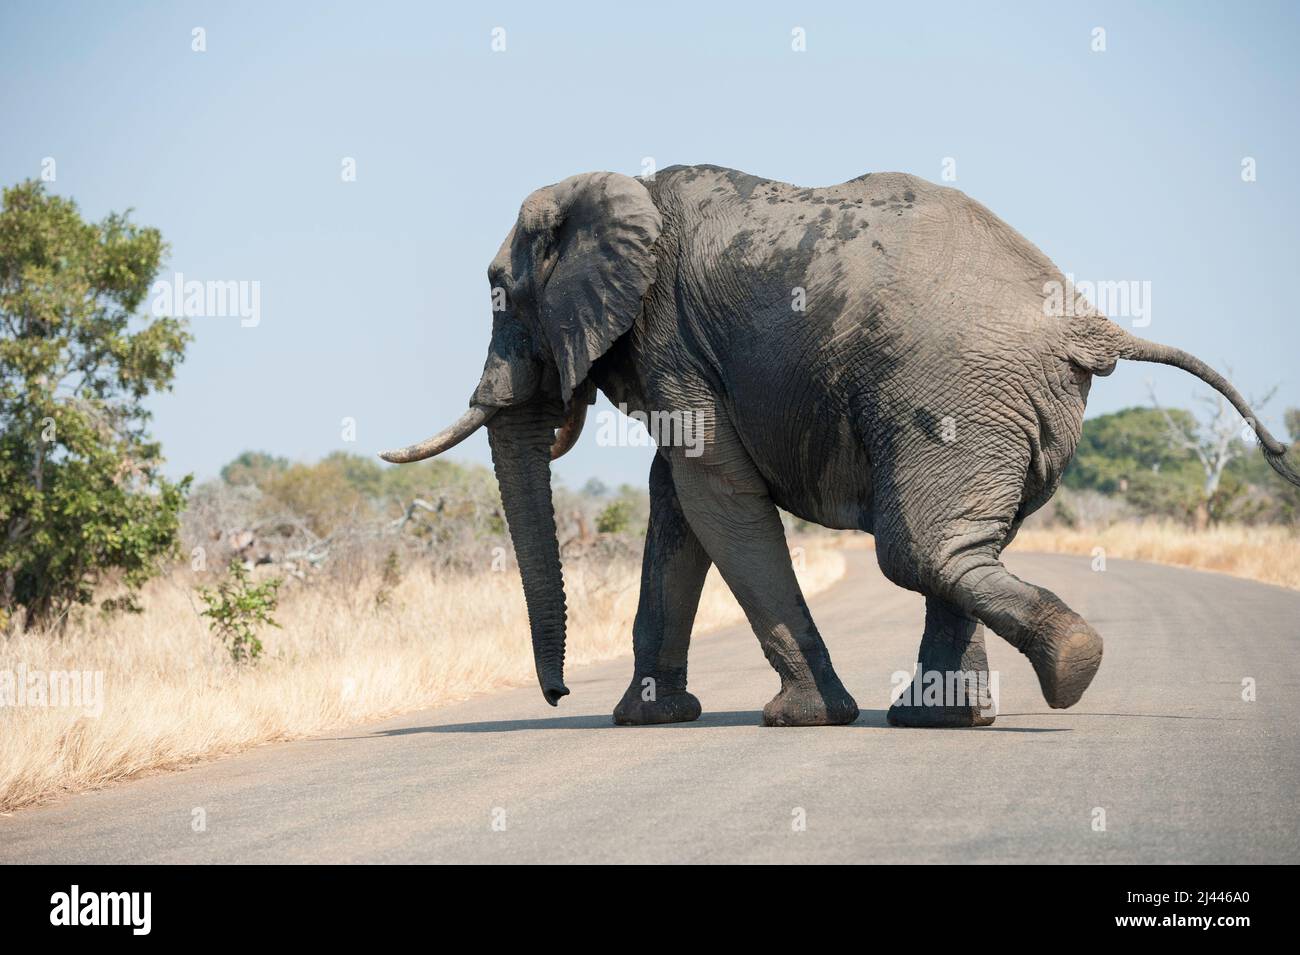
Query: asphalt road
(1162,750)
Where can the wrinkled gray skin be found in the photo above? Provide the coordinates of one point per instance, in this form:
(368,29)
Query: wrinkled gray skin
(922,395)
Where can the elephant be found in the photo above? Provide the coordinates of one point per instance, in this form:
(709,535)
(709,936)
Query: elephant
(878,355)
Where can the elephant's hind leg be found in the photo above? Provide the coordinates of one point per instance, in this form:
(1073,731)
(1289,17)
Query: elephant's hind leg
(1063,648)
(672,576)
(944,537)
(952,684)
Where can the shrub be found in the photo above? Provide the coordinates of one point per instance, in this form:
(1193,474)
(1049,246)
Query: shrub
(237,608)
(615,518)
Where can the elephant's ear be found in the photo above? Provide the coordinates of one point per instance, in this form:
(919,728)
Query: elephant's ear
(591,241)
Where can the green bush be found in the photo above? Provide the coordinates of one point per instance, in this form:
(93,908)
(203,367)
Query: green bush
(615,518)
(237,608)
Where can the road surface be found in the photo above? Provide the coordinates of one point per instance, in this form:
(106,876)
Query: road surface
(1162,761)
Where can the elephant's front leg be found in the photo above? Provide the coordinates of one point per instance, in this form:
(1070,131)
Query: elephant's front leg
(952,684)
(672,576)
(728,505)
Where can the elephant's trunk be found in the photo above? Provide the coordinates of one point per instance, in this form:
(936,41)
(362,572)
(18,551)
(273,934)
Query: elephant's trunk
(521,439)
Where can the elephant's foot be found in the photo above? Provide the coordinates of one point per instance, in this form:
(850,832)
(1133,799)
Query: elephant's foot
(806,703)
(674,707)
(939,717)
(947,699)
(1066,663)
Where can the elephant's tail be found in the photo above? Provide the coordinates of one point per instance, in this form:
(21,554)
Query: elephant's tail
(1275,452)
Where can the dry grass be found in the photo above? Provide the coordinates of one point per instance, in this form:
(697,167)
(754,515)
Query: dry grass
(1269,554)
(171,696)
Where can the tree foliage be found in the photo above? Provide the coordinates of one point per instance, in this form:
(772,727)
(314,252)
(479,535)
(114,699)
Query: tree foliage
(615,518)
(1291,419)
(82,496)
(1129,455)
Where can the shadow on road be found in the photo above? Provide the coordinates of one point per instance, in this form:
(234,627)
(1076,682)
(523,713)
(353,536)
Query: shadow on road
(602,722)
(868,719)
(1134,716)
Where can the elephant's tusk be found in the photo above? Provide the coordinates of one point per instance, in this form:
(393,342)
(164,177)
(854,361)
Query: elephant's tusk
(469,422)
(570,431)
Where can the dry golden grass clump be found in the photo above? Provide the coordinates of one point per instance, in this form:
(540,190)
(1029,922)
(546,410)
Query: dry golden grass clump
(1270,554)
(171,695)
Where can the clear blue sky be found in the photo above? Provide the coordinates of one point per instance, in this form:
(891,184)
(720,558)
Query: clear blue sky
(1122,165)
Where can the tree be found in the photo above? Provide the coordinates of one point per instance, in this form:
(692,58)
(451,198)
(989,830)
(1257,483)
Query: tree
(615,518)
(1216,441)
(1282,498)
(594,487)
(1291,417)
(82,497)
(253,467)
(328,495)
(1128,454)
